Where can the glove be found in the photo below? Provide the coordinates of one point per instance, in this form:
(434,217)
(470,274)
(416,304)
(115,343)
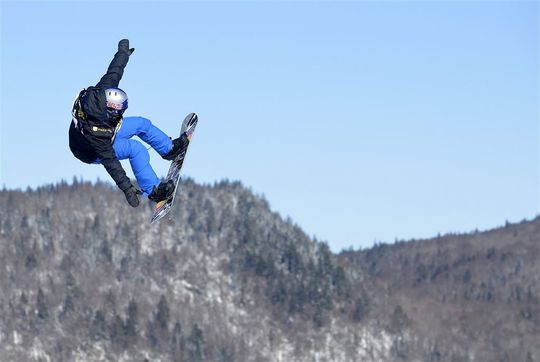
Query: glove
(123,46)
(132,196)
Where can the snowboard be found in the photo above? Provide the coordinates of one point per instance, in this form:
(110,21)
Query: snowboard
(162,208)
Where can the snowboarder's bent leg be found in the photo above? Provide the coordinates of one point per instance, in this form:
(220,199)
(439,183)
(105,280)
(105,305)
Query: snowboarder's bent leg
(145,130)
(140,162)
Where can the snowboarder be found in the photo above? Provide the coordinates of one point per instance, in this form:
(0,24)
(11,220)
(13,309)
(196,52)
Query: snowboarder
(99,134)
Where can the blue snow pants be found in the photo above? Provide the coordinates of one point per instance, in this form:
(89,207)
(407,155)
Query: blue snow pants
(136,152)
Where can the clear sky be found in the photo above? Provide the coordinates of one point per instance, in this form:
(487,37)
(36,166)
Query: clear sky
(361,121)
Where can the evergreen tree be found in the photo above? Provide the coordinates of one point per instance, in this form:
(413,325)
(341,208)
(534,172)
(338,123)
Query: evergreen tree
(30,262)
(167,266)
(151,335)
(116,329)
(177,342)
(132,319)
(68,305)
(99,326)
(292,259)
(162,315)
(196,345)
(360,309)
(105,252)
(225,355)
(41,305)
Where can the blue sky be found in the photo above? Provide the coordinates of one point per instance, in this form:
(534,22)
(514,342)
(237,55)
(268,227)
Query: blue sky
(361,121)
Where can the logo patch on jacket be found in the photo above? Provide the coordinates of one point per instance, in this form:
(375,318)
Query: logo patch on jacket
(100,129)
(80,114)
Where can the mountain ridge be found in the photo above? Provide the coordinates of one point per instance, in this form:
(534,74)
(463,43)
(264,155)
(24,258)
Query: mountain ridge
(228,279)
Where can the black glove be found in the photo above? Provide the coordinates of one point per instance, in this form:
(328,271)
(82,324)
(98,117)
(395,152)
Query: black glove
(123,46)
(132,196)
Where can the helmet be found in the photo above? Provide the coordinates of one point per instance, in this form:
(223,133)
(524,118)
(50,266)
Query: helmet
(117,102)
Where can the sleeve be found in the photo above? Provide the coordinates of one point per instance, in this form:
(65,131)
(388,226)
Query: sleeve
(107,156)
(115,71)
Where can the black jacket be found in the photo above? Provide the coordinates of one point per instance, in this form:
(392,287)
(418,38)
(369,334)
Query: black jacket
(91,133)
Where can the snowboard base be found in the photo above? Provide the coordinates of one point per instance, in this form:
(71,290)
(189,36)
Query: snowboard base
(162,208)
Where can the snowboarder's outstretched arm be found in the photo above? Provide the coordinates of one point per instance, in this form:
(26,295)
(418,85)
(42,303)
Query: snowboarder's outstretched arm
(103,146)
(116,68)
(99,133)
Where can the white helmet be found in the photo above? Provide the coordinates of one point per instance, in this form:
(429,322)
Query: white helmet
(117,102)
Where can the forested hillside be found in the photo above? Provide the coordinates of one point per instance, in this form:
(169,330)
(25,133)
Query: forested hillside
(84,277)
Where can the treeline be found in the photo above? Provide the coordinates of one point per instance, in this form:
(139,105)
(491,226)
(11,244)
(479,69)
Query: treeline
(122,331)
(295,277)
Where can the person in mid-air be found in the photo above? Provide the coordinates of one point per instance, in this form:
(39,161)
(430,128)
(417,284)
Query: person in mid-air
(99,134)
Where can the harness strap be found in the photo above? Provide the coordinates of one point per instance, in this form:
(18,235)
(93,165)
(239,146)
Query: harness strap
(116,129)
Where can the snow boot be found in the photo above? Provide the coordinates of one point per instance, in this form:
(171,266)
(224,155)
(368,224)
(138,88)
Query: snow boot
(179,144)
(162,192)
